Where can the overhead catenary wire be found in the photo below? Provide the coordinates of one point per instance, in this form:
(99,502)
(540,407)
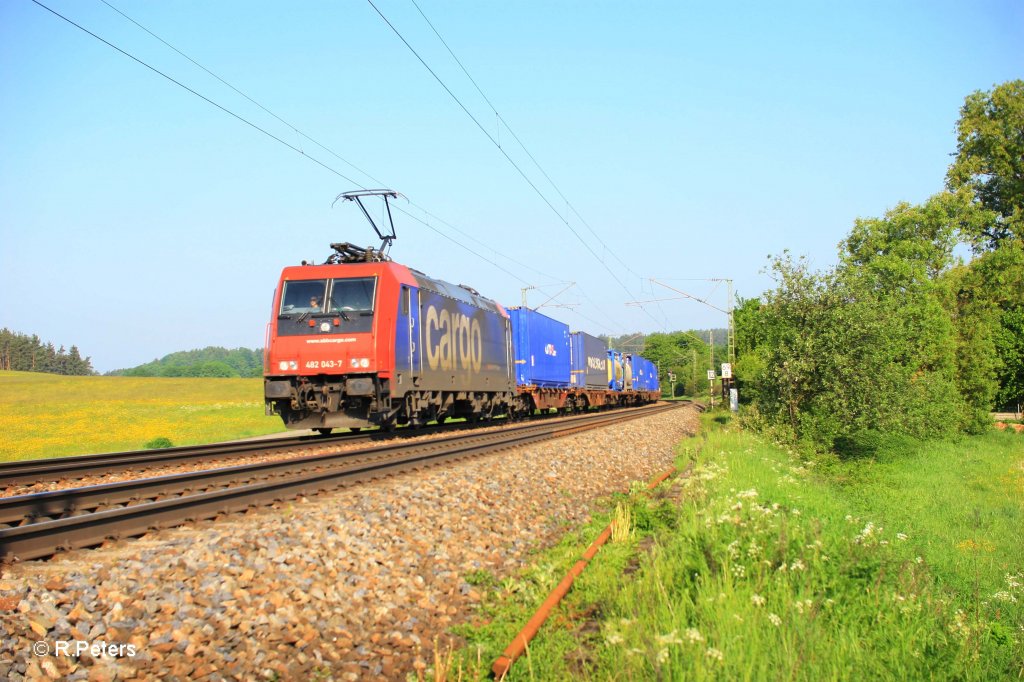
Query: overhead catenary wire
(276,138)
(197,94)
(501,119)
(504,153)
(335,154)
(331,151)
(265,132)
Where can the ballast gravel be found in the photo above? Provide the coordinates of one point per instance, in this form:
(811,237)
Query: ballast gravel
(348,585)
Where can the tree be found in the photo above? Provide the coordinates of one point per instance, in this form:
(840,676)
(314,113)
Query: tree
(674,352)
(989,165)
(19,352)
(990,159)
(868,346)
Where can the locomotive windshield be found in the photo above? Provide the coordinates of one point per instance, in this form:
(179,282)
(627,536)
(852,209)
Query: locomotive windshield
(352,295)
(348,303)
(303,296)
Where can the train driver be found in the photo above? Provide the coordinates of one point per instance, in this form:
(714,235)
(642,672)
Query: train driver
(314,304)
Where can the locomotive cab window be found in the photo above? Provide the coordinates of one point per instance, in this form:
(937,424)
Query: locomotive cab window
(327,306)
(352,296)
(303,296)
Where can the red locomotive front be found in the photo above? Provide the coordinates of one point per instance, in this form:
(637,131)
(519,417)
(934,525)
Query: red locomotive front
(331,343)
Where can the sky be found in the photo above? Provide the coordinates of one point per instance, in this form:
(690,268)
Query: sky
(676,141)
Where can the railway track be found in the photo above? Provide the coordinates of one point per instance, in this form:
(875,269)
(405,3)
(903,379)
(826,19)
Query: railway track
(73,468)
(38,471)
(41,524)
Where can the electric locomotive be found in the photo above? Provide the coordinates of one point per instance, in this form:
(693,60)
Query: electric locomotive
(362,341)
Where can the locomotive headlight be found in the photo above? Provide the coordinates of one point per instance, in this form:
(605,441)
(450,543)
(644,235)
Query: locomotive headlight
(283,365)
(364,363)
(293,365)
(354,362)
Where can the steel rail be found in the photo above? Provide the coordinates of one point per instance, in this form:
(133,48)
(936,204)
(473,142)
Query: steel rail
(28,472)
(79,466)
(44,536)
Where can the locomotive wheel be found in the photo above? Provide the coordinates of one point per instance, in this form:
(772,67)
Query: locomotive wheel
(356,429)
(324,431)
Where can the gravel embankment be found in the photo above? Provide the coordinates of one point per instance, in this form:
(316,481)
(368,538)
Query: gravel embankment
(354,584)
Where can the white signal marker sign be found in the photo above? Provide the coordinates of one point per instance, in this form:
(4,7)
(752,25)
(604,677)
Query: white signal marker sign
(726,370)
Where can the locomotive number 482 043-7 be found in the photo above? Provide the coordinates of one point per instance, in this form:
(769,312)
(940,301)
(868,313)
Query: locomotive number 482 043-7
(324,364)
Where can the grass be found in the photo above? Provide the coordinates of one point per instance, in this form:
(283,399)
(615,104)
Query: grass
(45,415)
(906,566)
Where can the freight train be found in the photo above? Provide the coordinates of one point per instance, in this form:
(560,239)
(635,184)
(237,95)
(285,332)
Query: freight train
(362,341)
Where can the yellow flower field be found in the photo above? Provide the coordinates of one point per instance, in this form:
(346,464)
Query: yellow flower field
(46,415)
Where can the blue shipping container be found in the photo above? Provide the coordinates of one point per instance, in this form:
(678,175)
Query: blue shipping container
(542,349)
(589,361)
(645,375)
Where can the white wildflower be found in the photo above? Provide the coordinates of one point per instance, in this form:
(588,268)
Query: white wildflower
(714,654)
(757,600)
(693,635)
(670,638)
(775,620)
(901,536)
(797,565)
(613,638)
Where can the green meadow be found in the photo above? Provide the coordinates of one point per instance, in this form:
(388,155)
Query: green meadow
(761,565)
(46,415)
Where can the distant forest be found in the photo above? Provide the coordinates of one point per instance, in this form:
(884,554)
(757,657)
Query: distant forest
(24,353)
(207,362)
